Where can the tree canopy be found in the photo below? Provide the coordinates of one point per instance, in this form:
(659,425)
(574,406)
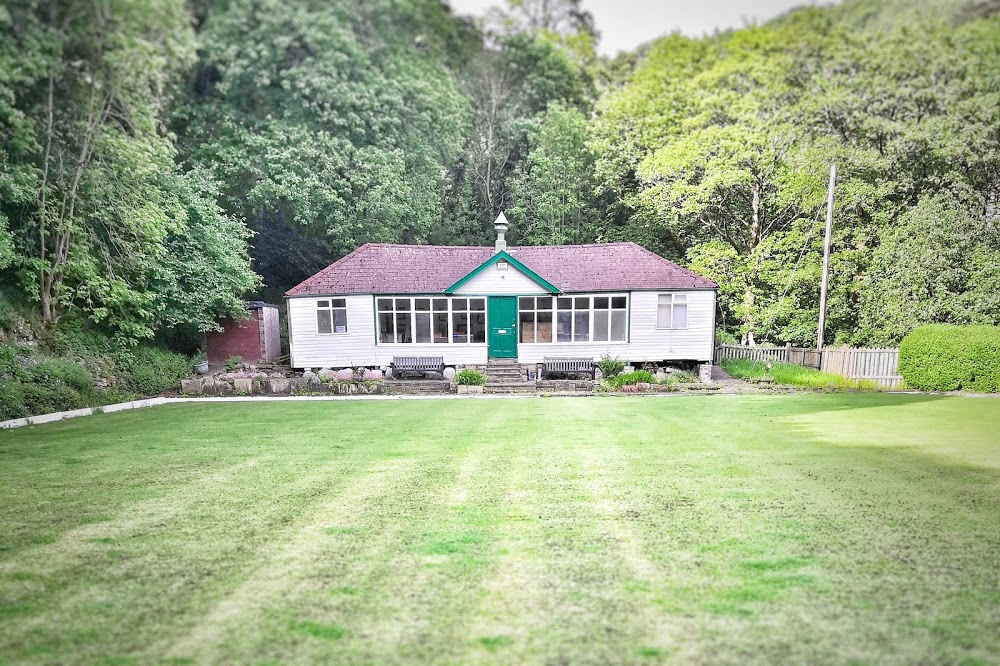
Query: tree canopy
(162,160)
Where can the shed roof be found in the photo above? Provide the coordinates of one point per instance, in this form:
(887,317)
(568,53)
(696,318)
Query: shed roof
(376,268)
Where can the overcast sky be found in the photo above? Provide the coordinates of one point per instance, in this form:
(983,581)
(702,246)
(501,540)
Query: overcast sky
(624,24)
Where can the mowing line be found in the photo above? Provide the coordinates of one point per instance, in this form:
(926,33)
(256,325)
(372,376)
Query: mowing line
(75,546)
(287,561)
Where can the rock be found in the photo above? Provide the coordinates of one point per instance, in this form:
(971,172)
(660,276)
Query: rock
(327,374)
(449,373)
(661,375)
(345,375)
(243,386)
(223,388)
(208,386)
(279,386)
(628,368)
(388,373)
(705,373)
(598,375)
(191,386)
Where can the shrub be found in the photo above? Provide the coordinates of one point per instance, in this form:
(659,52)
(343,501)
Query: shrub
(148,370)
(233,362)
(632,378)
(470,377)
(610,366)
(344,375)
(681,377)
(944,357)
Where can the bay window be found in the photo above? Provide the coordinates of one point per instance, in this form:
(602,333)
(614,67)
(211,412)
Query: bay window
(431,320)
(574,318)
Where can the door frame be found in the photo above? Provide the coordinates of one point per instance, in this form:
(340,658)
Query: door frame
(490,302)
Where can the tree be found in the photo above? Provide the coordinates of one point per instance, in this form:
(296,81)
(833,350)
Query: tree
(551,193)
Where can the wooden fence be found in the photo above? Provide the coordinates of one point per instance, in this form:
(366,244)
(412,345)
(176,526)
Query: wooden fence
(880,365)
(876,365)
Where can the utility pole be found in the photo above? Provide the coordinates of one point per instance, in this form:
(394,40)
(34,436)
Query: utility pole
(826,256)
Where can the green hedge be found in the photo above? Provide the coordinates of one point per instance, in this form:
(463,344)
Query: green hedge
(943,357)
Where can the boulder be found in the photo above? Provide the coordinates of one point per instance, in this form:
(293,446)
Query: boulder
(279,386)
(449,373)
(191,386)
(208,386)
(243,386)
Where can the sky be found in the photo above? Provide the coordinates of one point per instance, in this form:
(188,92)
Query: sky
(625,24)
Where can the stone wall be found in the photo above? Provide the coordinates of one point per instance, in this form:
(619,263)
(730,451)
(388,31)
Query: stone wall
(264,385)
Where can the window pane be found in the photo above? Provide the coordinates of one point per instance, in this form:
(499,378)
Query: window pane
(340,320)
(322,304)
(477,304)
(402,305)
(564,303)
(618,301)
(478,326)
(422,305)
(681,315)
(324,323)
(544,302)
(680,298)
(385,305)
(544,327)
(582,303)
(423,326)
(386,329)
(458,304)
(527,323)
(619,326)
(663,315)
(460,327)
(601,302)
(564,327)
(440,305)
(526,303)
(339,303)
(601,326)
(441,327)
(403,332)
(581,326)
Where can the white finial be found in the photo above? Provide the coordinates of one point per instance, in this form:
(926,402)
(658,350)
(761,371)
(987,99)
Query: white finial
(501,226)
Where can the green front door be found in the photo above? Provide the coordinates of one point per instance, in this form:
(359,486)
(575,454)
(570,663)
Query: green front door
(502,324)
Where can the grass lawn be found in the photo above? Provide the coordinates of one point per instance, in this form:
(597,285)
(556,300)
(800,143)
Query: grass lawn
(725,529)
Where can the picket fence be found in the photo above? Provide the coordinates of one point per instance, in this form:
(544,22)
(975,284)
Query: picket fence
(878,365)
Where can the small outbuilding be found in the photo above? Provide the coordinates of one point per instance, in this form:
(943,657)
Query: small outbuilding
(256,339)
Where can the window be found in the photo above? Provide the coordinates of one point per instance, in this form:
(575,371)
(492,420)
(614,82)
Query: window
(535,318)
(576,318)
(672,311)
(331,316)
(431,320)
(610,318)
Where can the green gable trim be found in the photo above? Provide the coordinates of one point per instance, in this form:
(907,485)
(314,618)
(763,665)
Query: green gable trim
(535,277)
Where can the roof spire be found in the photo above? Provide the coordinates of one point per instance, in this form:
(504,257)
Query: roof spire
(501,225)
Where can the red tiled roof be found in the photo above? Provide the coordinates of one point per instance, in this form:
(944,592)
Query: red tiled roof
(429,269)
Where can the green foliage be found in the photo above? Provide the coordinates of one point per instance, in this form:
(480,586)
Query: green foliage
(610,366)
(470,377)
(944,357)
(632,378)
(792,375)
(233,362)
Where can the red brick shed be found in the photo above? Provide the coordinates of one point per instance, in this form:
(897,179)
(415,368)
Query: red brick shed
(256,340)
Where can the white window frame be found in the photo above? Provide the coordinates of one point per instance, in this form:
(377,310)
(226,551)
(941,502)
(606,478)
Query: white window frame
(331,307)
(671,301)
(573,310)
(451,312)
